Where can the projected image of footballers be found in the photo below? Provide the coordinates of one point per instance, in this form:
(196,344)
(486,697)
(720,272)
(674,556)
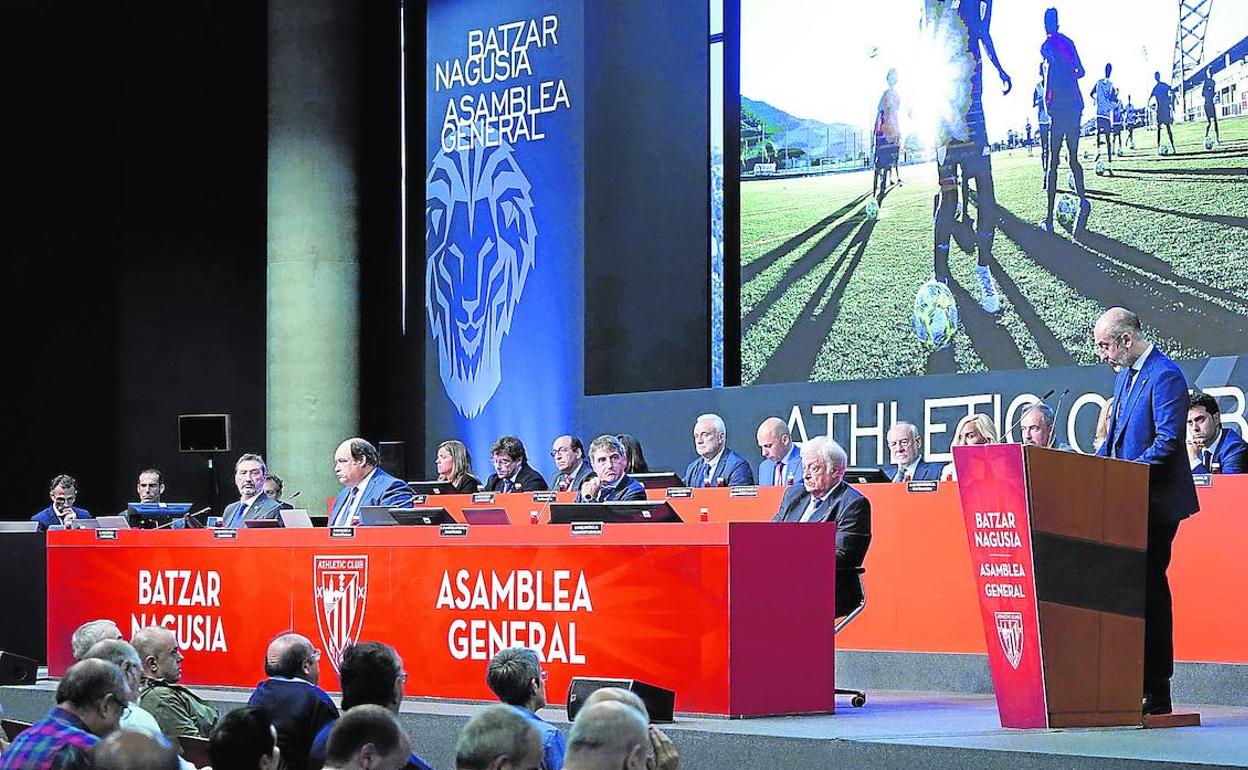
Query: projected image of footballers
(887,135)
(1105,95)
(1116,118)
(960,30)
(1208,90)
(1163,96)
(1063,70)
(1044,123)
(1131,117)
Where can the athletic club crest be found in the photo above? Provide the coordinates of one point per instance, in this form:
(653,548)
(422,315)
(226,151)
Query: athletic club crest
(341,588)
(1010,632)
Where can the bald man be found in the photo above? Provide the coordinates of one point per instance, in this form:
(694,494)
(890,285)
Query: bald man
(608,736)
(782,459)
(299,707)
(356,464)
(178,711)
(665,755)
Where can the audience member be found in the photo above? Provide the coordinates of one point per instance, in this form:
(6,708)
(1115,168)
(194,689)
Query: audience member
(716,465)
(972,430)
(89,700)
(356,464)
(664,752)
(245,739)
(63,492)
(249,475)
(178,711)
(1037,425)
(906,452)
(608,736)
(519,681)
(454,466)
(782,459)
(610,482)
(636,457)
(1102,424)
(86,636)
(498,738)
(299,707)
(273,486)
(132,750)
(1211,446)
(569,455)
(367,738)
(511,468)
(371,673)
(824,496)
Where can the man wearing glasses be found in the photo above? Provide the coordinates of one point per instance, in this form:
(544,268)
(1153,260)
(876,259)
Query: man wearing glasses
(63,491)
(569,455)
(89,701)
(518,680)
(300,708)
(512,472)
(905,449)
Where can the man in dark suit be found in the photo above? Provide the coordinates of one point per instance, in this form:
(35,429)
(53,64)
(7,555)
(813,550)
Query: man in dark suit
(610,482)
(356,464)
(1212,448)
(1147,426)
(573,469)
(782,461)
(63,492)
(292,694)
(823,495)
(717,465)
(249,474)
(905,448)
(512,472)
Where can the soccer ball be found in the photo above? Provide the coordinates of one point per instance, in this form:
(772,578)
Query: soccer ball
(1132,144)
(935,314)
(1067,210)
(1086,154)
(1070,179)
(1100,168)
(872,209)
(1121,152)
(1163,149)
(1208,142)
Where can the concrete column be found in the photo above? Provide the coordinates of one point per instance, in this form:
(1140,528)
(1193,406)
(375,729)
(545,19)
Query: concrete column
(312,345)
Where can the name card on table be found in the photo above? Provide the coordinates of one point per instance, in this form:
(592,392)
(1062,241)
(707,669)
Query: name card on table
(343,532)
(1202,479)
(544,497)
(106,534)
(453,530)
(588,528)
(225,534)
(679,493)
(743,492)
(483,497)
(921,486)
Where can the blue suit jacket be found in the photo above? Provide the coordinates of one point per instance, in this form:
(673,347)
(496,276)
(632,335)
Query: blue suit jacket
(1231,456)
(1149,425)
(381,489)
(924,471)
(263,507)
(734,469)
(792,468)
(47,517)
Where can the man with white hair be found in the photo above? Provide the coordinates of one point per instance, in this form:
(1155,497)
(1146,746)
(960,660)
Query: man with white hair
(716,465)
(905,449)
(824,496)
(606,736)
(90,633)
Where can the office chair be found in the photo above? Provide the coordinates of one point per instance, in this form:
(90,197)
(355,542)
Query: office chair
(858,697)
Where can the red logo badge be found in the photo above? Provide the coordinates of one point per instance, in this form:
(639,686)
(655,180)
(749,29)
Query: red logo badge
(1010,632)
(340,590)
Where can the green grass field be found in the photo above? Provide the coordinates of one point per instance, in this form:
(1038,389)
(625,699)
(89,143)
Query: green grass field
(828,295)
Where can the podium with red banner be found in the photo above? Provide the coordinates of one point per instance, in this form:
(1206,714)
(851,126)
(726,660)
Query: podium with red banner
(1057,543)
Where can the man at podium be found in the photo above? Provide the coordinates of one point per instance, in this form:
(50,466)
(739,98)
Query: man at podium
(1148,424)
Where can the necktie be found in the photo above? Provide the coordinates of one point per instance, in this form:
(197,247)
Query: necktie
(565,481)
(779,474)
(238,515)
(506,485)
(900,476)
(1126,389)
(344,516)
(1206,459)
(707,479)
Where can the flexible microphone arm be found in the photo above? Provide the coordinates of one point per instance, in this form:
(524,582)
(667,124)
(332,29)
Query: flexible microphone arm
(1019,419)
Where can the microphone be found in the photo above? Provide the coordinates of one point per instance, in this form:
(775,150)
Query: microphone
(1019,419)
(292,497)
(1057,411)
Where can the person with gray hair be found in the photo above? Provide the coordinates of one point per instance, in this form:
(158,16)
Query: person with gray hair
(516,677)
(364,482)
(300,708)
(824,496)
(606,736)
(716,464)
(610,481)
(249,475)
(905,449)
(89,701)
(497,738)
(86,635)
(1037,427)
(662,749)
(133,750)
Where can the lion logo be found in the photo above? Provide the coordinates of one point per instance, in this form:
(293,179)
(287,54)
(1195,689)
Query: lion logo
(479,236)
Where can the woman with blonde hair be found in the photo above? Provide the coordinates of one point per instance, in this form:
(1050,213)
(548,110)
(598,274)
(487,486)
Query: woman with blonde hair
(455,466)
(972,430)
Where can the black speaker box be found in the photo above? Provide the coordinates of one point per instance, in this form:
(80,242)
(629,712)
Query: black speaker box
(17,669)
(659,702)
(203,433)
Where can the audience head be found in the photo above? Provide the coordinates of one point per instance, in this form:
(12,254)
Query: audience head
(63,491)
(609,734)
(158,649)
(371,673)
(823,465)
(508,455)
(620,695)
(517,678)
(249,473)
(498,738)
(973,430)
(86,635)
(354,459)
(1204,419)
(904,444)
(244,739)
(773,439)
(96,692)
(369,738)
(151,485)
(609,458)
(1037,425)
(708,435)
(122,655)
(1119,337)
(1102,424)
(273,486)
(568,452)
(293,656)
(132,750)
(453,463)
(636,457)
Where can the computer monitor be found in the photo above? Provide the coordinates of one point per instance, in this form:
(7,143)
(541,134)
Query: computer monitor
(262,524)
(153,515)
(19,526)
(486,516)
(113,522)
(660,480)
(630,512)
(295,518)
(421,517)
(431,487)
(866,475)
(85,524)
(375,516)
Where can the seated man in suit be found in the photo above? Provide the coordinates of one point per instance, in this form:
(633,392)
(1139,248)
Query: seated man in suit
(356,464)
(611,483)
(63,492)
(253,503)
(300,708)
(905,449)
(1212,448)
(717,465)
(823,495)
(573,469)
(782,460)
(512,472)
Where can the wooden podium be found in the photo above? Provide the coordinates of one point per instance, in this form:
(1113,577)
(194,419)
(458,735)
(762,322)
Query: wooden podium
(1057,544)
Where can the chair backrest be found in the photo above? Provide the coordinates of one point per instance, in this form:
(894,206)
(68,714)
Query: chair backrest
(862,585)
(12,727)
(195,750)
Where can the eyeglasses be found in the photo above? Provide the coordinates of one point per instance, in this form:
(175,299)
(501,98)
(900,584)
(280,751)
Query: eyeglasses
(1113,343)
(563,450)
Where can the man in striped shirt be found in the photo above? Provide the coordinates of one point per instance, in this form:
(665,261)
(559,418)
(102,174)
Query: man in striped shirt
(89,702)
